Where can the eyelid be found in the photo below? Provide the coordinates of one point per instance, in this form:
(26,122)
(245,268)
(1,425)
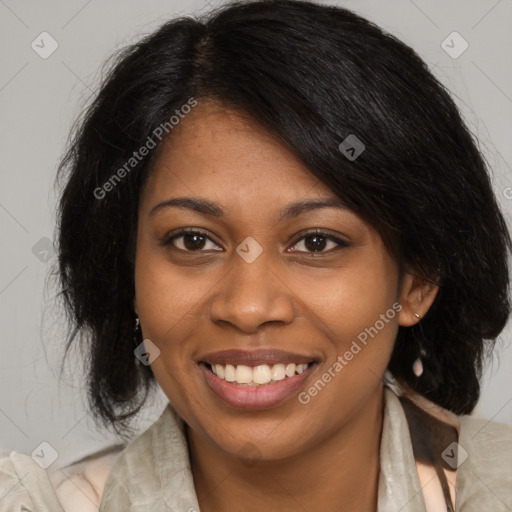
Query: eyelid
(324,234)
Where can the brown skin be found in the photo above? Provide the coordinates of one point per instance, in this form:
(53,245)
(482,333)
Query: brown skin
(323,456)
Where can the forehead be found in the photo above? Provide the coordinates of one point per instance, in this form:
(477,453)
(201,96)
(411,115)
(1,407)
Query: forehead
(224,154)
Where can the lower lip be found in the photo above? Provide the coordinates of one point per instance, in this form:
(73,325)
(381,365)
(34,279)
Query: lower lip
(255,397)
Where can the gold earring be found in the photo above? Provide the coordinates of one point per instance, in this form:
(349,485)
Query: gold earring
(417,316)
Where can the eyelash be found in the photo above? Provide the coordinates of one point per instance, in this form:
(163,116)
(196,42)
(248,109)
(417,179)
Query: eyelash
(168,241)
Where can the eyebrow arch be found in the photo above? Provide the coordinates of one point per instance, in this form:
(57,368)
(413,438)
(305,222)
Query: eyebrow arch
(212,209)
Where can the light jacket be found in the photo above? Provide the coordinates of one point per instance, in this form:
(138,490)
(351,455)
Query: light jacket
(152,473)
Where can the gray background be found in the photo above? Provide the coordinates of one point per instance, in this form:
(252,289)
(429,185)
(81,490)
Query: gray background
(40,98)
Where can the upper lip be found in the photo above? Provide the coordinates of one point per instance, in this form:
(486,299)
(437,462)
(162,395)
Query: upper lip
(255,357)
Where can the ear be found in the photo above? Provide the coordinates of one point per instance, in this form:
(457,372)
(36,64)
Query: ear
(135,308)
(416,297)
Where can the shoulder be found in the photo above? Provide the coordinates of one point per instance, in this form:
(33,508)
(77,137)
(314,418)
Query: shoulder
(482,429)
(79,486)
(76,487)
(24,485)
(487,440)
(485,463)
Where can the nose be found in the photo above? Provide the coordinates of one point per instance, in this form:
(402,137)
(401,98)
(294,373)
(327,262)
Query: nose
(252,294)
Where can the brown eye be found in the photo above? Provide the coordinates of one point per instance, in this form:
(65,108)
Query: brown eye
(317,242)
(189,241)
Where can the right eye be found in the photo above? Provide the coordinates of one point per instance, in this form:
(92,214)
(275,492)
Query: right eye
(188,240)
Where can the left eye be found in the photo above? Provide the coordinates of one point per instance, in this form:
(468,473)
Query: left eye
(316,242)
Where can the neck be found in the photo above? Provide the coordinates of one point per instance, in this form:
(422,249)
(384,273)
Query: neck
(340,473)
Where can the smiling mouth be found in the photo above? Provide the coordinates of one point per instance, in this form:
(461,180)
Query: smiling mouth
(261,375)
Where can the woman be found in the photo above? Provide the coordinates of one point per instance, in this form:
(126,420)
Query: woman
(277,215)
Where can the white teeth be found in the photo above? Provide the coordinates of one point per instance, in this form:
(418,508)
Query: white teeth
(243,374)
(290,370)
(229,373)
(300,368)
(278,372)
(261,374)
(258,375)
(219,370)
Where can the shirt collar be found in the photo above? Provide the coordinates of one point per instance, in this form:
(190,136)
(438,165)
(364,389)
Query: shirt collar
(153,472)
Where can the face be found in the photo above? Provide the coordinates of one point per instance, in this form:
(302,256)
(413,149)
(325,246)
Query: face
(306,300)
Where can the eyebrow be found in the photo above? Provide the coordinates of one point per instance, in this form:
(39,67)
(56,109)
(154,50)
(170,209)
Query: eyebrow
(209,208)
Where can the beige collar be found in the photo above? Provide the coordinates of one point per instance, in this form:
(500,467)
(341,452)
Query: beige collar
(153,473)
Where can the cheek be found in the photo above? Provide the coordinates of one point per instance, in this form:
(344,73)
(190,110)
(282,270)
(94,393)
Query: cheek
(358,313)
(162,304)
(172,305)
(359,298)
(168,306)
(168,298)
